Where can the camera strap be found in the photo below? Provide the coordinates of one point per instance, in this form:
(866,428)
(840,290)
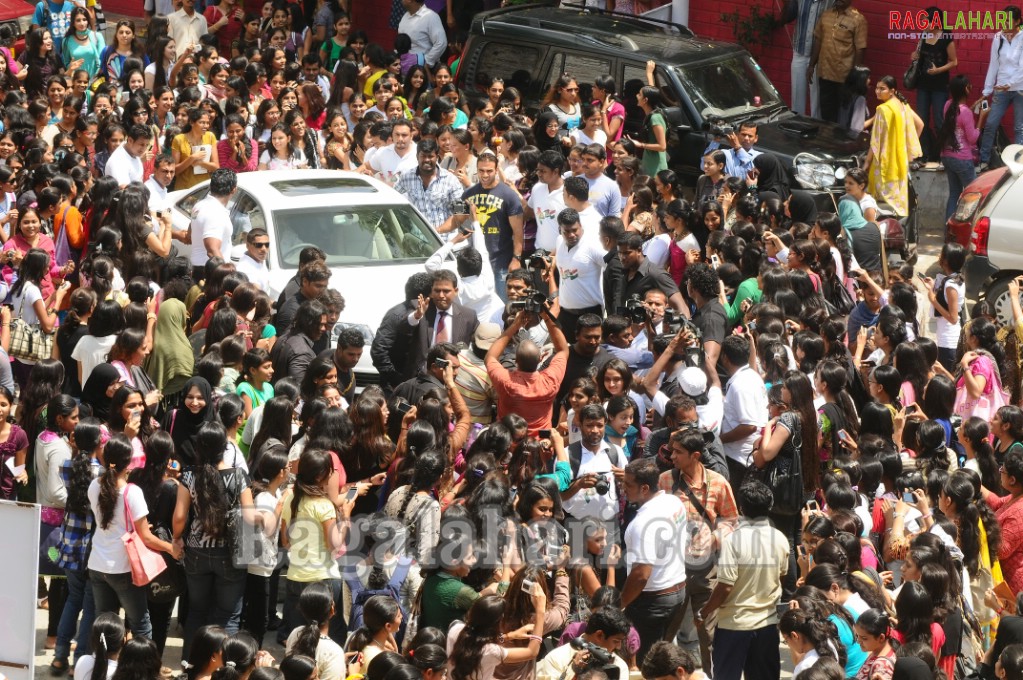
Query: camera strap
(679,482)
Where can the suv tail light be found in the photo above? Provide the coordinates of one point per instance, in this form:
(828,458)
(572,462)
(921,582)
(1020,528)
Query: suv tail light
(981,230)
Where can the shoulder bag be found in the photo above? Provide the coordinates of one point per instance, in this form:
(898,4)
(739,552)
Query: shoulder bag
(911,78)
(29,342)
(146,564)
(784,476)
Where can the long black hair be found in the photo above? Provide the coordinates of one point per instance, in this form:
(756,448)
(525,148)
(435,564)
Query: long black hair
(138,660)
(116,456)
(821,633)
(914,613)
(207,641)
(107,640)
(88,437)
(210,506)
(277,416)
(957,94)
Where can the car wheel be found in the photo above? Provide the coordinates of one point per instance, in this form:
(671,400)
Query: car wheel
(997,296)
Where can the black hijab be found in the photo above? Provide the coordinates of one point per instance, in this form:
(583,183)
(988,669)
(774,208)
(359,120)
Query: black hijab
(772,175)
(543,140)
(184,425)
(94,392)
(802,207)
(911,668)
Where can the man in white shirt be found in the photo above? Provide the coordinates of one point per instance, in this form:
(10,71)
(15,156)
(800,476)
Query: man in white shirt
(655,543)
(745,410)
(125,163)
(606,629)
(576,195)
(547,199)
(158,184)
(186,26)
(475,276)
(252,263)
(211,229)
(599,461)
(605,194)
(1004,84)
(400,155)
(426,30)
(580,261)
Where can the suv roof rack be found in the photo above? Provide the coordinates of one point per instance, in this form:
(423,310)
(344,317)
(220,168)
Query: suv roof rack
(682,28)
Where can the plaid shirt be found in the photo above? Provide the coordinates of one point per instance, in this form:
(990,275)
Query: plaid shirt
(433,201)
(76,536)
(715,494)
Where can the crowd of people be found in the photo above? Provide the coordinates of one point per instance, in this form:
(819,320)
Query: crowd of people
(615,429)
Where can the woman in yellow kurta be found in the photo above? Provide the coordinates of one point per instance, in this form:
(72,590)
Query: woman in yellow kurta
(894,143)
(187,154)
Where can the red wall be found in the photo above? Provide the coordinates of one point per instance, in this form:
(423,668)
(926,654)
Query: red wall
(884,56)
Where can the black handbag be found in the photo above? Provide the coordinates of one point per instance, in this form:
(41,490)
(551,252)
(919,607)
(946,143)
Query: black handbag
(911,78)
(171,582)
(784,476)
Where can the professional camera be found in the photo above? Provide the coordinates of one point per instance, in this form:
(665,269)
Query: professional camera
(538,259)
(532,301)
(674,322)
(600,658)
(634,309)
(721,129)
(603,485)
(459,207)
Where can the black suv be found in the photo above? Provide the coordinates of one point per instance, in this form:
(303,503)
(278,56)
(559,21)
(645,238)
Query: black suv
(706,84)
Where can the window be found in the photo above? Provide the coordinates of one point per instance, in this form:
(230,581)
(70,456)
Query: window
(365,235)
(246,215)
(514,64)
(187,204)
(584,68)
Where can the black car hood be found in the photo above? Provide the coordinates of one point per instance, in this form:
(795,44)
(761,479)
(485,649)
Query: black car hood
(795,134)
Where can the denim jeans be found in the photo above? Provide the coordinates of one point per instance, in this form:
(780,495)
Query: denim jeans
(1000,103)
(112,591)
(651,616)
(930,105)
(79,600)
(500,282)
(959,173)
(800,64)
(215,591)
(749,653)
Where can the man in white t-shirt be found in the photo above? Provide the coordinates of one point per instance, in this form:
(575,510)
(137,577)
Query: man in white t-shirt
(252,263)
(605,194)
(159,183)
(400,155)
(745,411)
(125,163)
(655,549)
(576,195)
(211,230)
(580,261)
(547,199)
(600,462)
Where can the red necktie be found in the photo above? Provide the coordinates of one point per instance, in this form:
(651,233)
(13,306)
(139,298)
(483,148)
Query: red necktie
(442,329)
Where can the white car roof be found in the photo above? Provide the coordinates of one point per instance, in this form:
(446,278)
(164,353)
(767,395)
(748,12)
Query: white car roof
(317,188)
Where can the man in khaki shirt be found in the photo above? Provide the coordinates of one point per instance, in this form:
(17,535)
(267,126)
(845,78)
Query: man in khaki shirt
(753,560)
(839,43)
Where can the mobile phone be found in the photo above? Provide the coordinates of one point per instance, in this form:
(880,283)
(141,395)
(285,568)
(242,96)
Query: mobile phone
(801,549)
(813,506)
(908,497)
(403,407)
(920,275)
(752,325)
(174,465)
(465,228)
(844,436)
(527,586)
(715,261)
(912,408)
(545,434)
(984,106)
(352,493)
(441,363)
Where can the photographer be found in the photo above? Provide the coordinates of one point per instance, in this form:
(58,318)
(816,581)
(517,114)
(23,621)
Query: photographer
(580,260)
(703,285)
(641,275)
(618,341)
(527,391)
(596,464)
(606,629)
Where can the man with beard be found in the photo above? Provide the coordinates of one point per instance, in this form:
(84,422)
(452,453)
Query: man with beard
(430,188)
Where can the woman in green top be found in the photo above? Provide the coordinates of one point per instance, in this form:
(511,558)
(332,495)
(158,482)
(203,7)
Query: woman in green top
(255,388)
(448,597)
(655,132)
(749,264)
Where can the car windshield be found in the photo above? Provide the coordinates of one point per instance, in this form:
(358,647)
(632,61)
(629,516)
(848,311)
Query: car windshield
(363,236)
(728,87)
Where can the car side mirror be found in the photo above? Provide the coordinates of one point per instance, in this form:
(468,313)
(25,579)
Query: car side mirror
(683,129)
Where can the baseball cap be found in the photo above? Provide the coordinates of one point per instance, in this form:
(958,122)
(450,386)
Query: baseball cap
(486,335)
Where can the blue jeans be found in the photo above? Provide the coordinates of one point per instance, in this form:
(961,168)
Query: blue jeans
(215,591)
(112,591)
(959,173)
(500,282)
(79,600)
(1000,102)
(930,105)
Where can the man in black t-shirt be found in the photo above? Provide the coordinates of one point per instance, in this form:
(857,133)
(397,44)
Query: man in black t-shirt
(641,275)
(703,286)
(499,211)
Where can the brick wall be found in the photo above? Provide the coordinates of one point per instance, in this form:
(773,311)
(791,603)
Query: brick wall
(884,56)
(372,16)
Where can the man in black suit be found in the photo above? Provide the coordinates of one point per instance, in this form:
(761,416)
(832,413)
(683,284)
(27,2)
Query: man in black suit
(439,319)
(390,344)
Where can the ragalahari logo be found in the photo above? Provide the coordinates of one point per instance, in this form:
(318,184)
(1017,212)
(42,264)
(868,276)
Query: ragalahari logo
(957,24)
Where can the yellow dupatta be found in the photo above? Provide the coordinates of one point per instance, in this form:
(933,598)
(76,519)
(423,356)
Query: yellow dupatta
(893,162)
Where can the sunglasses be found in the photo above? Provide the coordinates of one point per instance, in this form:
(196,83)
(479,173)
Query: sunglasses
(262,245)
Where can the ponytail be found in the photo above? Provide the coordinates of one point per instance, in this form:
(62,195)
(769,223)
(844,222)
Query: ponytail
(821,633)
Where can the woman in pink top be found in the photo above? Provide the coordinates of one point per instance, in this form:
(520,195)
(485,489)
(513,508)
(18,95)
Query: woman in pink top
(238,152)
(604,96)
(958,140)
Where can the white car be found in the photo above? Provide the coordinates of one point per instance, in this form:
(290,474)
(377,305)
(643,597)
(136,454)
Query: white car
(373,237)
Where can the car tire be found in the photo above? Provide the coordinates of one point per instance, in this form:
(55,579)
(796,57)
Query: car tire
(997,297)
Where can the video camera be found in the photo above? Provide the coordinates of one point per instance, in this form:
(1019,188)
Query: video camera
(533,301)
(721,129)
(539,259)
(634,309)
(600,658)
(674,322)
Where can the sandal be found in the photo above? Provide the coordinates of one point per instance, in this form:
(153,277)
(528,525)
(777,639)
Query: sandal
(58,667)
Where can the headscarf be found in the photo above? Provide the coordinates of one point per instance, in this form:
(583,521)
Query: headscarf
(543,140)
(184,425)
(802,207)
(94,392)
(911,668)
(851,215)
(172,360)
(772,175)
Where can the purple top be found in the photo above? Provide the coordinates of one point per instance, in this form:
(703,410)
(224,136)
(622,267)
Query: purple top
(967,135)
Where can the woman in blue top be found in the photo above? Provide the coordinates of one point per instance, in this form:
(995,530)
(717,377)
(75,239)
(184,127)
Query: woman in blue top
(815,601)
(82,43)
(126,46)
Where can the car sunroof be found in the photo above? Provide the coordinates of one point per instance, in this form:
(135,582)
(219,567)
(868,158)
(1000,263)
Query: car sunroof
(323,185)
